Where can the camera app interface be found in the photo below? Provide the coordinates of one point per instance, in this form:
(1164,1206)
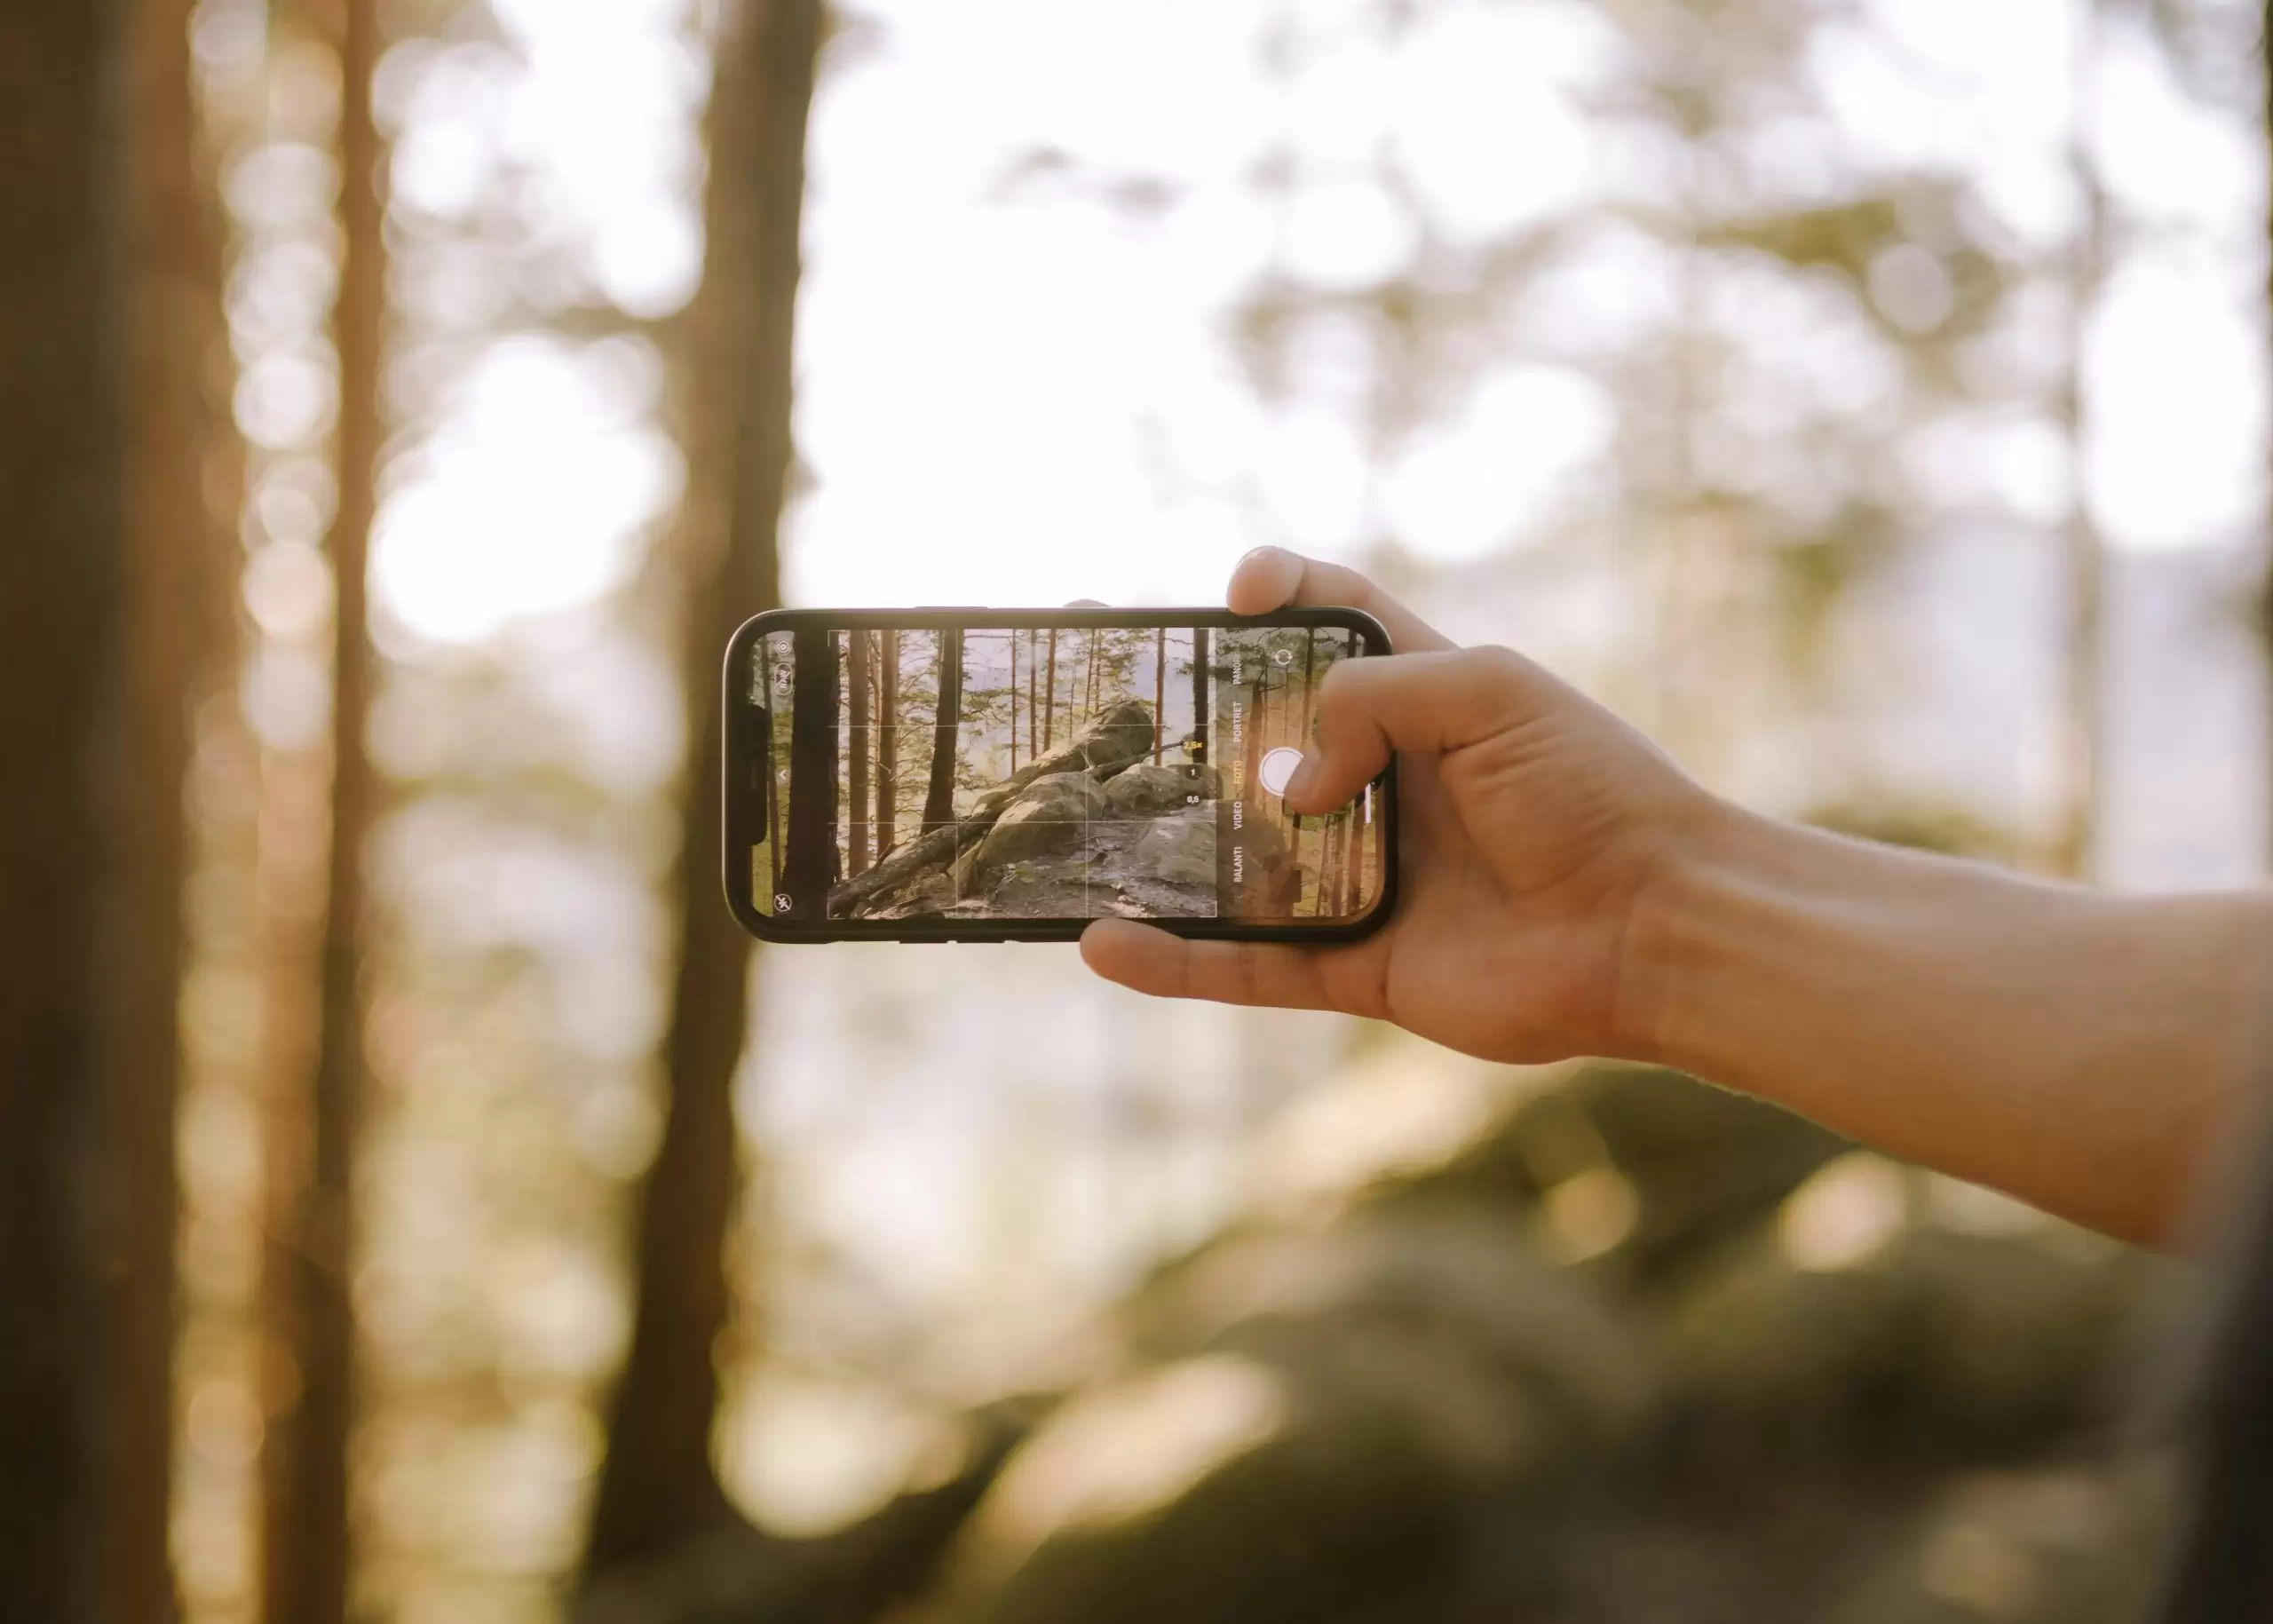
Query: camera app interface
(1067,772)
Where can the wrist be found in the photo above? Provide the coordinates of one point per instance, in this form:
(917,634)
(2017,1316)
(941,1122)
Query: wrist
(1714,870)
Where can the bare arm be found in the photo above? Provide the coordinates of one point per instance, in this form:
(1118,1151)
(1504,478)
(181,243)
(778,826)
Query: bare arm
(1568,890)
(2088,1053)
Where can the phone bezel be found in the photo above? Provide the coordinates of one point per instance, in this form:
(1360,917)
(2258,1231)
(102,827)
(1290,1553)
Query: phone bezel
(736,815)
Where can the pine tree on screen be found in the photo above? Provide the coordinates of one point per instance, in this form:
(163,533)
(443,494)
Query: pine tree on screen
(887,742)
(811,867)
(1159,689)
(1199,652)
(940,797)
(860,738)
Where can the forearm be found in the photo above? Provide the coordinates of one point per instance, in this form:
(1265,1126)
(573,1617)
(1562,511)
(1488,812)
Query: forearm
(2088,1053)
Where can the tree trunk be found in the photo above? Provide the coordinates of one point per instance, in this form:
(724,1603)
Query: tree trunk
(307,1543)
(888,743)
(657,1482)
(947,721)
(859,742)
(1050,697)
(1034,738)
(178,607)
(2081,749)
(1200,682)
(774,831)
(811,867)
(62,463)
(1257,702)
(1159,690)
(2265,599)
(1013,640)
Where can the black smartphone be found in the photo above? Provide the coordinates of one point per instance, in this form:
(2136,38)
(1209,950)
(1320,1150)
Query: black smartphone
(1010,775)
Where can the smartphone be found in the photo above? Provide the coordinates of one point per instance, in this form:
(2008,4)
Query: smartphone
(1010,775)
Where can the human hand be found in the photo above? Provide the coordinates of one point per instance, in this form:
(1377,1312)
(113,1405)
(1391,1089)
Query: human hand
(1537,828)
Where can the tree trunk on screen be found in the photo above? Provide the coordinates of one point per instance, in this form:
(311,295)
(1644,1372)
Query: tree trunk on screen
(1302,739)
(888,743)
(811,868)
(1012,640)
(1199,683)
(947,721)
(774,724)
(1256,702)
(859,742)
(63,461)
(1367,843)
(1049,696)
(1159,690)
(306,1539)
(1357,852)
(1345,881)
(657,1482)
(1034,738)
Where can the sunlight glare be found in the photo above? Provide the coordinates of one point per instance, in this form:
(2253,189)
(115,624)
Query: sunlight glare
(529,499)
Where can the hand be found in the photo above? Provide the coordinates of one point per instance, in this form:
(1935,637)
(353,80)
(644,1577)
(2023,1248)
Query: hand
(1536,828)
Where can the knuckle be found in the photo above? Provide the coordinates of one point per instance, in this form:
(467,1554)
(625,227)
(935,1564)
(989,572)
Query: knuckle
(1497,673)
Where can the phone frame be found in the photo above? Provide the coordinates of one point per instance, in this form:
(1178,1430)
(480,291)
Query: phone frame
(736,819)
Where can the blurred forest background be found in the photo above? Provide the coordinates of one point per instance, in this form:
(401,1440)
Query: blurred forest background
(417,1204)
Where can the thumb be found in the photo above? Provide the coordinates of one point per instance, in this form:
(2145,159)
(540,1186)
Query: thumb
(1426,704)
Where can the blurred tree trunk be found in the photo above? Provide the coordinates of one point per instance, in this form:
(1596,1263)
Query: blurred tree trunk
(180,530)
(61,462)
(2265,599)
(307,1543)
(657,1482)
(2082,725)
(109,310)
(947,719)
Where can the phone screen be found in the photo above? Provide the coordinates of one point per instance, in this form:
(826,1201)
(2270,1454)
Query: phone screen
(1039,772)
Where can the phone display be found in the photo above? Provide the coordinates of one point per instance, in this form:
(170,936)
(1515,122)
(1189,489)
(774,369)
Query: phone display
(927,776)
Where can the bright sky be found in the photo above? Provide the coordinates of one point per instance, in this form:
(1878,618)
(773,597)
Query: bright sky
(1025,399)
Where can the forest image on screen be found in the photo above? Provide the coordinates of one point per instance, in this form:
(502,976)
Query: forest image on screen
(1051,772)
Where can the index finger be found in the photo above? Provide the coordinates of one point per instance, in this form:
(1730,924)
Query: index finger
(1272,578)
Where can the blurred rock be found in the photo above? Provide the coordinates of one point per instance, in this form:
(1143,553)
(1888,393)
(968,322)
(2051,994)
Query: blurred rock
(1702,1162)
(1643,1352)
(1959,1347)
(1305,1427)
(2072,1545)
